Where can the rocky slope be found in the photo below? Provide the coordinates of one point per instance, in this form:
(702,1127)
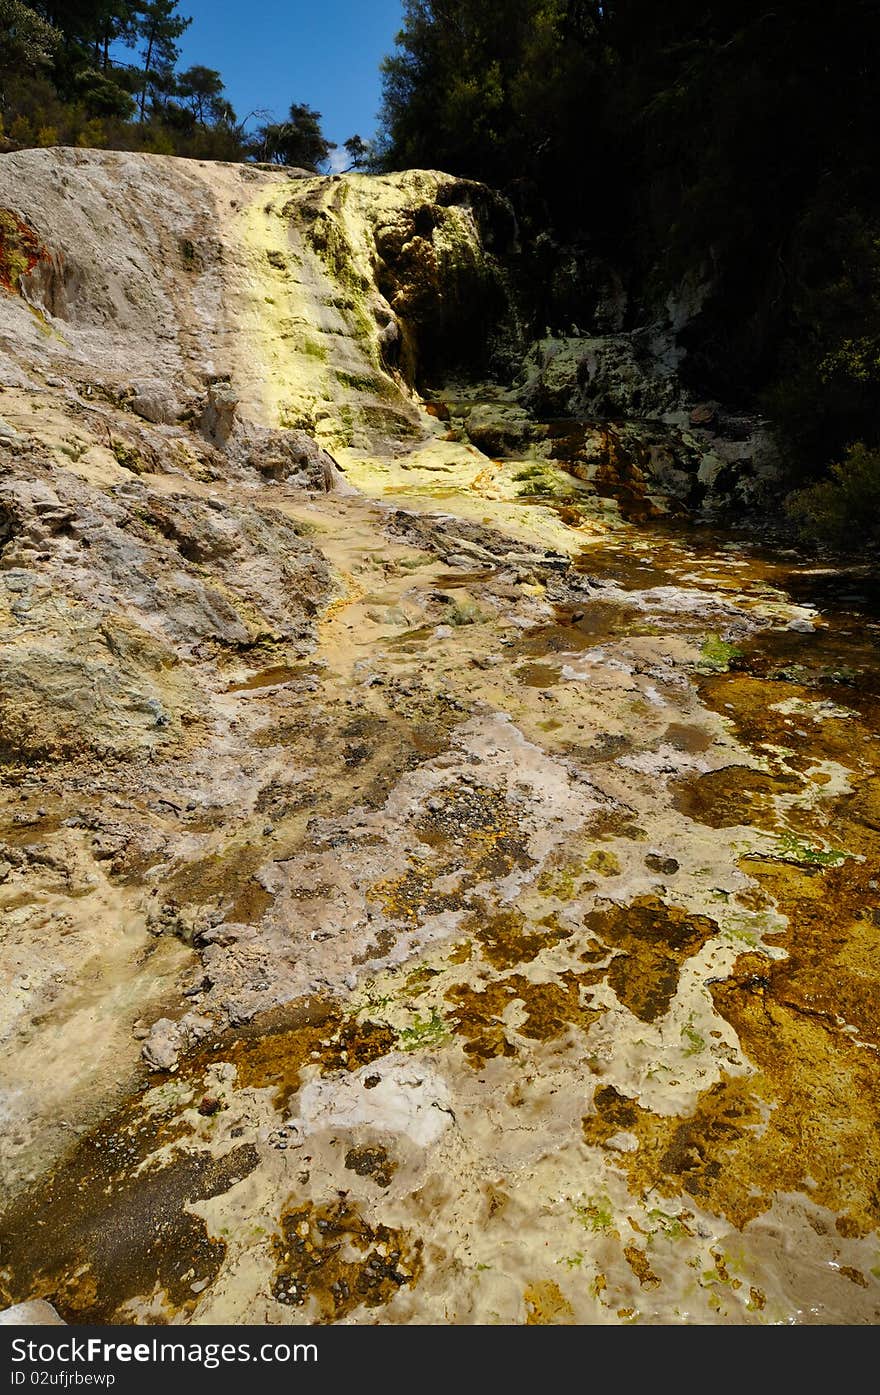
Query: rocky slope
(425,897)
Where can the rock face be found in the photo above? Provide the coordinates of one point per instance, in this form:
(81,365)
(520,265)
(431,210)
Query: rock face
(500,429)
(110,598)
(352,292)
(692,452)
(612,377)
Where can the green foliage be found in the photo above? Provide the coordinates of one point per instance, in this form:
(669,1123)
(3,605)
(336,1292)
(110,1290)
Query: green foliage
(103,97)
(76,91)
(361,153)
(844,506)
(298,142)
(128,456)
(693,1042)
(732,145)
(597,1213)
(202,90)
(424,1032)
(497,91)
(670,1226)
(159,27)
(27,41)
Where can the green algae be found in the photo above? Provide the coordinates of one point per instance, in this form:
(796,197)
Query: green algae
(716,655)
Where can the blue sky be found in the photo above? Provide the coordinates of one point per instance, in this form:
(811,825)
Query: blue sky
(274,52)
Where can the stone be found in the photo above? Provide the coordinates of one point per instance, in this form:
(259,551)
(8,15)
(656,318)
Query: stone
(219,416)
(36,1312)
(658,863)
(163,1046)
(154,403)
(612,377)
(499,429)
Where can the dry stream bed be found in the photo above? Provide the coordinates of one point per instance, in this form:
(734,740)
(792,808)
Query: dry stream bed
(528,928)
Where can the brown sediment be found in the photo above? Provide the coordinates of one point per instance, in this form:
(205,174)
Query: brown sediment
(640,1265)
(574,631)
(94,1234)
(627,567)
(863,805)
(753,706)
(222,880)
(803,1121)
(734,795)
(550,1008)
(272,1049)
(474,834)
(372,1162)
(652,941)
(357,1044)
(615,823)
(547,1306)
(330,1257)
(507,938)
(465,810)
(409,896)
(477,1018)
(689,737)
(538,675)
(269,677)
(832,965)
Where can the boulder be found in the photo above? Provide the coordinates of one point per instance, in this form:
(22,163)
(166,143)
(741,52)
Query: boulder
(163,1046)
(219,416)
(154,403)
(167,1039)
(500,429)
(36,1312)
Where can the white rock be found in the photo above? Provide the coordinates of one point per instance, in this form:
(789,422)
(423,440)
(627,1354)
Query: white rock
(34,1313)
(410,1099)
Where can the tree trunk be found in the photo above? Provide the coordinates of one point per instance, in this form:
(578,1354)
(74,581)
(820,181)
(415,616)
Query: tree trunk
(147,62)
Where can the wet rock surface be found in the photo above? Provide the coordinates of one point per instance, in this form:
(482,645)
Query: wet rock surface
(446,898)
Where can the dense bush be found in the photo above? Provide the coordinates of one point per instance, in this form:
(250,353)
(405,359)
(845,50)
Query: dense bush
(845,507)
(64,81)
(729,142)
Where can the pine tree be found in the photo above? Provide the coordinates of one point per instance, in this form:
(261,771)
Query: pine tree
(159,26)
(27,41)
(299,141)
